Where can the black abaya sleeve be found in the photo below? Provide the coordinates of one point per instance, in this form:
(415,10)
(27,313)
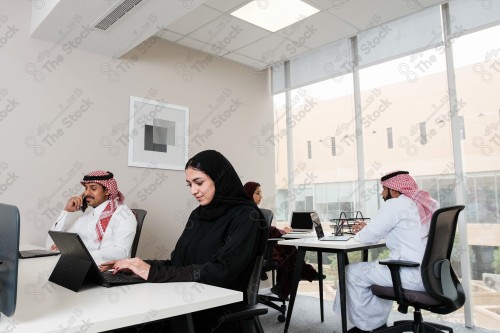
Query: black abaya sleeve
(163,271)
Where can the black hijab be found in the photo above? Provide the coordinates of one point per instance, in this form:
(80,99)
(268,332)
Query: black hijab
(229,190)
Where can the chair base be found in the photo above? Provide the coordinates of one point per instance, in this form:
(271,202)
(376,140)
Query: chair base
(417,325)
(269,301)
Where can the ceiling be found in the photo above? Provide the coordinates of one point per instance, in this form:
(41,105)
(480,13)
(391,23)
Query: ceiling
(207,26)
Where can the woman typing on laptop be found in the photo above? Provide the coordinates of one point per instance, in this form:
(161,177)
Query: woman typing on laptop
(284,255)
(222,237)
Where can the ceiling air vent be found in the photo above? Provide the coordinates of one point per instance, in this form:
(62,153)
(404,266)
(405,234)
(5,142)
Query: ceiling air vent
(115,13)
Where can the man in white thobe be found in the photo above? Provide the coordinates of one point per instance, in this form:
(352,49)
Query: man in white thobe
(404,221)
(108,229)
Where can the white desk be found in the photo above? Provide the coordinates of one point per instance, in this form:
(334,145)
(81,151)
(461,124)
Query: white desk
(341,248)
(43,306)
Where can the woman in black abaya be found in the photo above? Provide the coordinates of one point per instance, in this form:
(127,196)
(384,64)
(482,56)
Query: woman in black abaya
(222,237)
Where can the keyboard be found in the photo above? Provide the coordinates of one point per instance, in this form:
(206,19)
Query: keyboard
(336,238)
(25,254)
(121,278)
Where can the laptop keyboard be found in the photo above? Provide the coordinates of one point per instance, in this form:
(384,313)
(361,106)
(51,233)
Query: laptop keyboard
(36,253)
(121,277)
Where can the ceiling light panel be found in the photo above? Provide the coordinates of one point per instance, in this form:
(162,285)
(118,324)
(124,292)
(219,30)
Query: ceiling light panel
(274,15)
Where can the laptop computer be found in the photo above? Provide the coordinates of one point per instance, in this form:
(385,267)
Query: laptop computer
(36,253)
(301,222)
(320,233)
(76,266)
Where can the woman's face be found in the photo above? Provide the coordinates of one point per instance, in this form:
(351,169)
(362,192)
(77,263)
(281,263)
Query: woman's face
(202,186)
(257,195)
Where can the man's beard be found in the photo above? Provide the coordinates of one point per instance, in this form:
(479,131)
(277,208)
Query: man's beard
(388,196)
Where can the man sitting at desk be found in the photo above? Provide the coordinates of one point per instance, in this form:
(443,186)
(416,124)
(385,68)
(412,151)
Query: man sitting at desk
(108,229)
(404,221)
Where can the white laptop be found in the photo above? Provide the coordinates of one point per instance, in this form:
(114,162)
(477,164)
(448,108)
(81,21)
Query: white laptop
(321,235)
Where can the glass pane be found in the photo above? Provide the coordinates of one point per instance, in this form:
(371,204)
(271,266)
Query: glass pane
(278,77)
(324,152)
(477,72)
(278,140)
(405,93)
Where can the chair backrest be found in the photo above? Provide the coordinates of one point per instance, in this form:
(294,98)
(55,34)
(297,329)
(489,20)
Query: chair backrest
(268,215)
(438,277)
(267,264)
(140,214)
(254,282)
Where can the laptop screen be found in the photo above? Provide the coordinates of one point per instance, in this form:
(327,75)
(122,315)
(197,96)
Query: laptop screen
(317,225)
(301,221)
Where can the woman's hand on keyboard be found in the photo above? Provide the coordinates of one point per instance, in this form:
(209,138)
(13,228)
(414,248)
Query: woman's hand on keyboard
(134,265)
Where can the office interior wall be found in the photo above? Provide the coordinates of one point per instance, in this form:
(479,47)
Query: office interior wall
(64,112)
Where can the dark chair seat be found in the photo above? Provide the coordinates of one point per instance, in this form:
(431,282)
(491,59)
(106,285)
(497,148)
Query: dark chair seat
(420,297)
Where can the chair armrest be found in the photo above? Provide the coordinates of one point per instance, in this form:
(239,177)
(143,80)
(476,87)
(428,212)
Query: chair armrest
(402,263)
(241,311)
(394,266)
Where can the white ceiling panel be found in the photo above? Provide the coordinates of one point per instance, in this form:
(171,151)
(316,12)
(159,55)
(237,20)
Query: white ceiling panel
(194,20)
(225,5)
(253,63)
(169,35)
(318,30)
(272,49)
(207,26)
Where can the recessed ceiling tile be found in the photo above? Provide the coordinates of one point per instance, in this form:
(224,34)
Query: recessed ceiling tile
(225,5)
(253,63)
(201,46)
(193,20)
(229,33)
(272,49)
(324,4)
(318,30)
(168,35)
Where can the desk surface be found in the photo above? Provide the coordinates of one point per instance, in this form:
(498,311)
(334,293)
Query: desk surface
(338,245)
(43,306)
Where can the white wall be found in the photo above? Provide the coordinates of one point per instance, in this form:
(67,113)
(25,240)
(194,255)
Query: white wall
(43,153)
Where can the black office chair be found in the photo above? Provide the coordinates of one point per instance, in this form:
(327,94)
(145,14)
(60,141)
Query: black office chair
(248,314)
(270,265)
(140,214)
(443,292)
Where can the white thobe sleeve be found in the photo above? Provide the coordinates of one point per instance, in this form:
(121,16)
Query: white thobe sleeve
(379,227)
(64,222)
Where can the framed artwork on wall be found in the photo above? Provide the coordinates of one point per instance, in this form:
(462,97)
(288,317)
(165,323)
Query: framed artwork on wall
(158,134)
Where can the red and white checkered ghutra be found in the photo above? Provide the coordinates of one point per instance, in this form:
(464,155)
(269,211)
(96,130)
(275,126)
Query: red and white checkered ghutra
(404,183)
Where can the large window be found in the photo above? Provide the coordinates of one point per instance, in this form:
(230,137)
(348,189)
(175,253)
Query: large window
(321,124)
(477,72)
(410,94)
(427,102)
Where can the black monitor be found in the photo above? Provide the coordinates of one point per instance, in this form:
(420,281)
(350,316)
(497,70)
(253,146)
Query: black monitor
(9,257)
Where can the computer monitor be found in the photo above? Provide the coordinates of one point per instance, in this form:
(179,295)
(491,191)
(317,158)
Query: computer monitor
(9,257)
